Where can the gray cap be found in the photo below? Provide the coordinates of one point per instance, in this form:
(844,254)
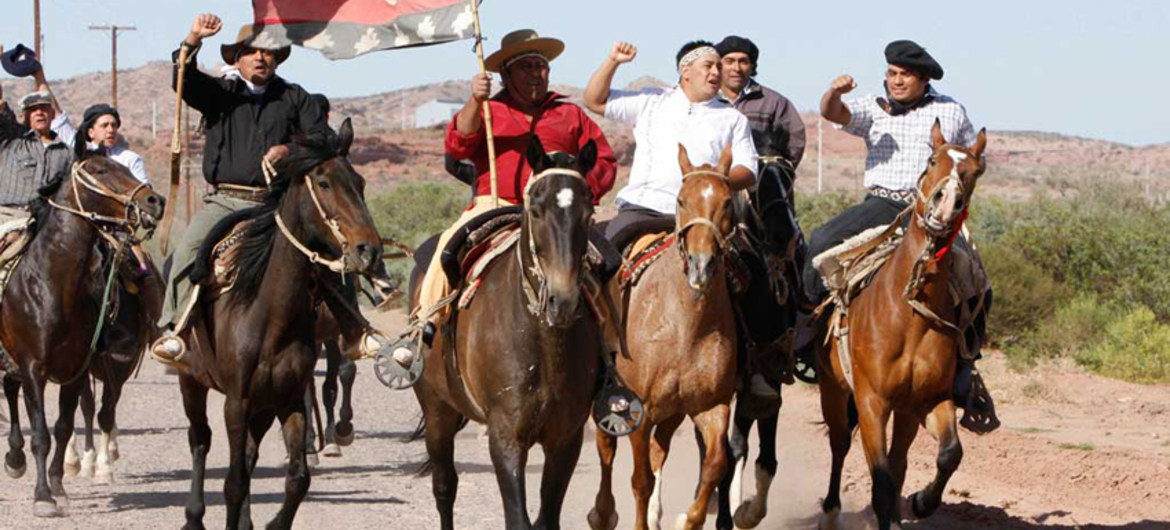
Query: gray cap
(35,99)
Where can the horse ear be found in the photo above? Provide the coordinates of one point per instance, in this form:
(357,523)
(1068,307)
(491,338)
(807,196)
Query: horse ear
(980,143)
(684,160)
(936,136)
(535,155)
(587,157)
(345,138)
(725,160)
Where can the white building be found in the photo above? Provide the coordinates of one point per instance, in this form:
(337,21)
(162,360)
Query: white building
(436,111)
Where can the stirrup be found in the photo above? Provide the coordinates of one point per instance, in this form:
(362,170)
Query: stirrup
(617,410)
(399,365)
(979,413)
(170,350)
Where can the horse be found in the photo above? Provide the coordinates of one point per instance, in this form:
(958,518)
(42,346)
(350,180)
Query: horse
(255,343)
(339,368)
(523,357)
(57,299)
(681,337)
(133,329)
(902,350)
(767,310)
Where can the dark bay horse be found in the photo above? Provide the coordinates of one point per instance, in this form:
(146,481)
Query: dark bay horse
(256,343)
(53,303)
(681,336)
(527,367)
(902,348)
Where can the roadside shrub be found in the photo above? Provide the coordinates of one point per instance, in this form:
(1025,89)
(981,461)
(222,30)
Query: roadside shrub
(815,209)
(1135,348)
(410,213)
(1025,294)
(1074,328)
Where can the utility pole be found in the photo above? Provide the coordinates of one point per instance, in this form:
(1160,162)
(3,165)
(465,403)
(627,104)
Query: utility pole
(820,154)
(37,27)
(114,29)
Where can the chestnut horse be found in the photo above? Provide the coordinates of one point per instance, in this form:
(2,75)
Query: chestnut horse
(56,299)
(681,337)
(256,343)
(903,357)
(523,356)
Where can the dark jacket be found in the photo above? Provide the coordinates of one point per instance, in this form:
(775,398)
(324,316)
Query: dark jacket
(241,127)
(27,164)
(776,125)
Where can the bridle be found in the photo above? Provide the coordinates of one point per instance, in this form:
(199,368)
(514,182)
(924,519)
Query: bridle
(339,265)
(537,295)
(130,222)
(928,199)
(680,232)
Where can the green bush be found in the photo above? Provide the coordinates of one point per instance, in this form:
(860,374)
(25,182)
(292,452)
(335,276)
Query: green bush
(1135,347)
(410,213)
(1025,294)
(1075,327)
(814,209)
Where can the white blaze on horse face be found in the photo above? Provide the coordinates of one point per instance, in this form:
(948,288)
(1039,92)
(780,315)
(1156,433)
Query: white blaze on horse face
(945,211)
(708,192)
(565,198)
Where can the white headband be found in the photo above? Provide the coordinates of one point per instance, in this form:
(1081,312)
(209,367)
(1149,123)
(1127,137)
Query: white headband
(509,62)
(694,55)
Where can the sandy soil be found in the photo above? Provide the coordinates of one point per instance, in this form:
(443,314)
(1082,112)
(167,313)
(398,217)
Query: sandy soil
(1076,451)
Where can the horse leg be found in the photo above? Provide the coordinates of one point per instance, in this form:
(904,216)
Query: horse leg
(199,440)
(329,396)
(835,410)
(603,516)
(63,432)
(713,424)
(754,509)
(14,463)
(509,458)
(107,422)
(874,414)
(76,464)
(257,427)
(659,450)
(441,424)
(296,482)
(348,374)
(34,403)
(309,444)
(236,485)
(559,462)
(642,481)
(905,429)
(731,487)
(940,423)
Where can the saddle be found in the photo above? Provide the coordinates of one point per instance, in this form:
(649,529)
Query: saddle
(224,255)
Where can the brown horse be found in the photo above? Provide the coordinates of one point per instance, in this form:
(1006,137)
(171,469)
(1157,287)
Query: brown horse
(680,332)
(524,365)
(256,343)
(904,358)
(53,303)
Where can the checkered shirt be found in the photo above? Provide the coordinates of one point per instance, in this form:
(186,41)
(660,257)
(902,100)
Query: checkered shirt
(899,146)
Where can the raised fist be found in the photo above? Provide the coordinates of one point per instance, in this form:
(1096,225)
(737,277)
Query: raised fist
(843,85)
(204,26)
(623,52)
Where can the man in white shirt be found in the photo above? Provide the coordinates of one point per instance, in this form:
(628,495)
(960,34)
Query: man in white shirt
(687,114)
(99,127)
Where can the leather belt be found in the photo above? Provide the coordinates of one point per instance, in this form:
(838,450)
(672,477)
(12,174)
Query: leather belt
(902,196)
(246,193)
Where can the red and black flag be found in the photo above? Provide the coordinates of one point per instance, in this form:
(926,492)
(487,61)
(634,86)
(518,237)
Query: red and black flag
(344,29)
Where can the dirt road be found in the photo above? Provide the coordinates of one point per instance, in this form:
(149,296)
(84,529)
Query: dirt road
(1076,451)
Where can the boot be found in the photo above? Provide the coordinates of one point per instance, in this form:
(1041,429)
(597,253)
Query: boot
(170,349)
(971,395)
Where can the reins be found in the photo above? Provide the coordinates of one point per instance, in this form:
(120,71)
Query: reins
(680,232)
(537,295)
(339,265)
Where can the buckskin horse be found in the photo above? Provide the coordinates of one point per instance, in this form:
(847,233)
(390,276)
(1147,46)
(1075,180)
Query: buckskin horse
(901,350)
(681,337)
(523,356)
(256,343)
(58,298)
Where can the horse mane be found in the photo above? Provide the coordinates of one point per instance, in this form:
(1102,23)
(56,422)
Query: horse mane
(39,206)
(256,244)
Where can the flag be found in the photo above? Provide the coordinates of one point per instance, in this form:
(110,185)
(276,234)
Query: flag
(344,29)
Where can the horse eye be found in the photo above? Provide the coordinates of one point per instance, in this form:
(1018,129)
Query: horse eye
(932,161)
(323,184)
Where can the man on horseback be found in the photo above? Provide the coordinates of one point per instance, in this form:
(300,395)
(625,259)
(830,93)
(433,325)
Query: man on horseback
(99,129)
(250,120)
(897,132)
(687,114)
(524,108)
(778,134)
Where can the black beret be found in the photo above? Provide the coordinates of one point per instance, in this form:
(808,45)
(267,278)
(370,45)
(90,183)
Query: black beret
(908,54)
(20,61)
(733,43)
(94,112)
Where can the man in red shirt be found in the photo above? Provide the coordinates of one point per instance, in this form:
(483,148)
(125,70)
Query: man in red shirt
(523,108)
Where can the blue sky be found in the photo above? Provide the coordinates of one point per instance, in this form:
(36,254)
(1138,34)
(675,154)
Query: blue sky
(1082,67)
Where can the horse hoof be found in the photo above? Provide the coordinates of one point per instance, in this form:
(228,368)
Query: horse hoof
(47,509)
(312,461)
(345,440)
(595,522)
(103,476)
(830,520)
(72,468)
(682,522)
(748,515)
(14,472)
(331,450)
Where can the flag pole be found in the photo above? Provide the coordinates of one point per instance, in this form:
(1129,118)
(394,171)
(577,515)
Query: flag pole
(487,110)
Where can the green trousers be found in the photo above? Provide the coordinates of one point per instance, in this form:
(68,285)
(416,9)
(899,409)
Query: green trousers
(178,295)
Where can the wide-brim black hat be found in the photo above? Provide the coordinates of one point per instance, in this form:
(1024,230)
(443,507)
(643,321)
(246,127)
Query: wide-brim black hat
(20,61)
(908,54)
